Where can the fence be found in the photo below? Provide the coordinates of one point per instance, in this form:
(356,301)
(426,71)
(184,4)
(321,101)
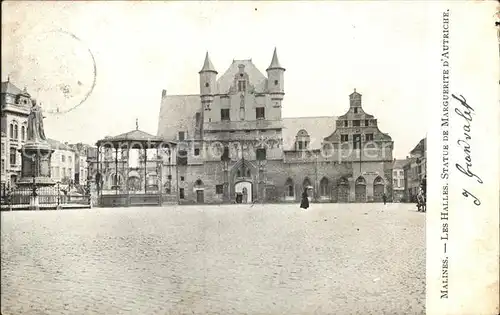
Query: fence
(48,197)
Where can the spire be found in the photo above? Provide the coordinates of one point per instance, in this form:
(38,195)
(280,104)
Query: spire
(207,65)
(275,64)
(136,124)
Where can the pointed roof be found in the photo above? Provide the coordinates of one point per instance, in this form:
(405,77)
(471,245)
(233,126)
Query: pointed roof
(275,63)
(207,65)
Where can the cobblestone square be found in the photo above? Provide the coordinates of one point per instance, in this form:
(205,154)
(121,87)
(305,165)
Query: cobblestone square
(231,259)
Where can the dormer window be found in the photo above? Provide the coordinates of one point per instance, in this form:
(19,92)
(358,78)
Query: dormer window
(275,82)
(346,123)
(207,85)
(355,110)
(302,140)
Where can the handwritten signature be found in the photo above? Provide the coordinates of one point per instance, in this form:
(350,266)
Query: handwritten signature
(466,113)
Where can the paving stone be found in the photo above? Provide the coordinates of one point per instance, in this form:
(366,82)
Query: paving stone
(234,259)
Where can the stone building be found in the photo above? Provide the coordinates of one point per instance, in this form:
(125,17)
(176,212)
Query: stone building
(232,139)
(398,181)
(81,166)
(62,162)
(415,169)
(16,104)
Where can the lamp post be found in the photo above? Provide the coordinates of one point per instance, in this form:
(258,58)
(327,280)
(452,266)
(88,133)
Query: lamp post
(58,194)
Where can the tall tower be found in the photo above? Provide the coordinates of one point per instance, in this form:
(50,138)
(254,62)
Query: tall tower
(208,79)
(275,82)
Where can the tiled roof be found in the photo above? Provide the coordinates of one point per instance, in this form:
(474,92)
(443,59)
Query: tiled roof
(398,164)
(317,128)
(178,113)
(256,78)
(8,87)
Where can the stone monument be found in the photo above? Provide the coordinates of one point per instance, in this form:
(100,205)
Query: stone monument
(35,156)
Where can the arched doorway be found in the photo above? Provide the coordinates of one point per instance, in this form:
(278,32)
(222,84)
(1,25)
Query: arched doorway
(323,188)
(289,190)
(245,189)
(378,189)
(343,190)
(360,190)
(199,191)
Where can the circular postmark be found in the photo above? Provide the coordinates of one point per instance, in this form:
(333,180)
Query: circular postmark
(61,70)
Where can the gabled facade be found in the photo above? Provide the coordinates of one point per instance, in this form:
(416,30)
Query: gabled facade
(232,140)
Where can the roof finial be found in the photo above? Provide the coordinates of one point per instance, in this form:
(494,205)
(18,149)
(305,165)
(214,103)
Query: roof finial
(354,90)
(136,124)
(8,78)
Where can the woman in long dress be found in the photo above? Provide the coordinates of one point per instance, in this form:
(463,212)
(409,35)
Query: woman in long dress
(35,130)
(304,204)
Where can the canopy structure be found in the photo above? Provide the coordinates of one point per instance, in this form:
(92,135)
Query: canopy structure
(122,183)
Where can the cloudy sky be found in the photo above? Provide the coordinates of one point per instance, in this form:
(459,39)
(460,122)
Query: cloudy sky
(386,50)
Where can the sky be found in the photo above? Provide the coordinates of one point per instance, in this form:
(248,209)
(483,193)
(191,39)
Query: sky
(386,50)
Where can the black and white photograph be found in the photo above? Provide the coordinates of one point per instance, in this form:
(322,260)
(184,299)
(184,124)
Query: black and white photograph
(176,157)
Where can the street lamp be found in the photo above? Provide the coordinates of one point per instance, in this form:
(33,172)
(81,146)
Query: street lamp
(58,194)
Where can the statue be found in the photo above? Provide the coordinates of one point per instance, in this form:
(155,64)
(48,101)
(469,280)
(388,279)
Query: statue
(35,132)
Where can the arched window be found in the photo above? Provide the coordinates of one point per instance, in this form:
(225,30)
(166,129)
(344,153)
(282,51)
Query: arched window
(378,181)
(323,187)
(198,182)
(290,192)
(16,131)
(11,131)
(23,133)
(360,181)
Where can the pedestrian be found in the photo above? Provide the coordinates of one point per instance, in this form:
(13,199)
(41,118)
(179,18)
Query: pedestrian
(384,198)
(304,204)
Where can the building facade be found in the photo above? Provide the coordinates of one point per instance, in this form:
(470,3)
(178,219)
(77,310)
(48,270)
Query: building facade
(415,170)
(16,104)
(398,181)
(62,162)
(81,166)
(232,140)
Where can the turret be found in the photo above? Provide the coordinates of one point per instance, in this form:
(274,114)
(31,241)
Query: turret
(208,81)
(355,99)
(275,82)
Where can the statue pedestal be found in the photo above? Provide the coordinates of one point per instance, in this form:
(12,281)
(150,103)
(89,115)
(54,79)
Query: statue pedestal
(35,169)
